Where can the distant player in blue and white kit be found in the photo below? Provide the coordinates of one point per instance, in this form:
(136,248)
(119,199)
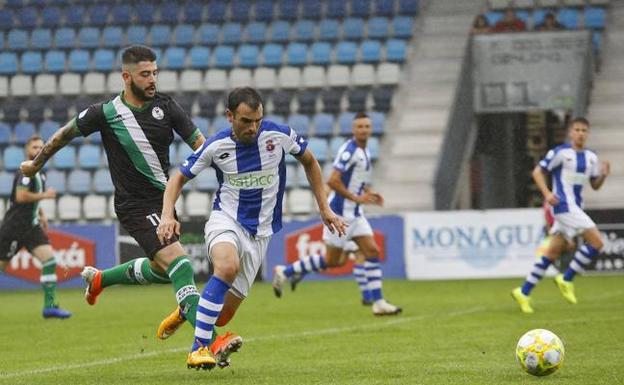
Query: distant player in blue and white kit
(350,182)
(570,166)
(249,160)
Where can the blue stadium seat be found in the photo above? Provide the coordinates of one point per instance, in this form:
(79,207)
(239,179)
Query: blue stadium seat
(51,17)
(220,123)
(323,125)
(377,28)
(32,62)
(297,54)
(402,27)
(56,180)
(335,143)
(538,16)
(104,60)
(8,63)
(6,184)
(319,148)
(231,33)
(275,118)
(65,158)
(384,7)
(569,18)
(396,50)
(200,57)
(224,56)
(321,53)
(216,11)
(13,156)
(370,51)
(346,52)
(207,181)
(494,17)
(353,28)
(169,12)
(47,128)
(160,34)
(312,9)
(23,131)
(192,12)
(98,15)
(378,120)
(240,11)
(36,107)
(27,17)
(264,10)
(136,34)
(255,32)
(183,34)
(248,55)
(41,38)
(17,39)
(360,8)
(79,182)
(5,134)
(88,37)
(75,16)
(102,182)
(408,7)
(345,123)
(304,30)
(329,29)
(112,37)
(96,138)
(272,55)
(174,58)
(55,61)
(144,13)
(121,14)
(299,123)
(373,147)
(79,60)
(595,17)
(7,20)
(523,15)
(280,32)
(336,9)
(208,34)
(202,124)
(289,9)
(89,156)
(65,38)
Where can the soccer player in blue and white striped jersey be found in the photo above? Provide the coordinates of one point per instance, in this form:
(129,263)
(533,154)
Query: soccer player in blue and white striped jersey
(350,182)
(571,165)
(249,160)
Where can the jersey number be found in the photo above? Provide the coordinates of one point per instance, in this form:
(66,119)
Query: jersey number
(154,219)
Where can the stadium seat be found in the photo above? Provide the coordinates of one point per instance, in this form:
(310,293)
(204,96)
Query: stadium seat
(69,208)
(21,85)
(11,108)
(263,10)
(216,11)
(5,134)
(27,17)
(314,77)
(370,51)
(47,128)
(183,35)
(569,18)
(338,76)
(59,105)
(248,56)
(95,207)
(272,55)
(79,182)
(55,61)
(281,102)
(323,125)
(7,20)
(23,131)
(307,101)
(114,81)
(49,208)
(595,17)
(65,38)
(346,52)
(75,16)
(363,75)
(12,157)
(240,11)
(224,56)
(231,33)
(121,15)
(160,35)
(360,8)
(32,62)
(137,34)
(220,123)
(335,9)
(65,158)
(17,39)
(377,28)
(265,78)
(296,54)
(192,12)
(4,86)
(304,30)
(41,38)
(396,50)
(291,176)
(104,60)
(88,37)
(332,100)
(357,99)
(408,7)
(168,81)
(191,81)
(299,201)
(255,32)
(197,204)
(79,60)
(174,58)
(312,9)
(112,37)
(382,99)
(289,77)
(56,179)
(89,156)
(169,12)
(378,120)
(144,13)
(199,57)
(402,27)
(207,181)
(94,83)
(335,143)
(353,29)
(36,107)
(51,17)
(8,63)
(329,29)
(345,121)
(289,9)
(280,32)
(321,53)
(207,106)
(102,182)
(300,123)
(240,77)
(98,15)
(216,80)
(373,147)
(208,34)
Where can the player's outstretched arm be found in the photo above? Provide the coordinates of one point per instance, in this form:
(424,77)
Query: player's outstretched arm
(168,224)
(59,140)
(605,170)
(540,181)
(315,178)
(367,197)
(22,195)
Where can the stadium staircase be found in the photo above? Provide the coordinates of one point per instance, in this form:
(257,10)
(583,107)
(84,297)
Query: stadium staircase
(407,162)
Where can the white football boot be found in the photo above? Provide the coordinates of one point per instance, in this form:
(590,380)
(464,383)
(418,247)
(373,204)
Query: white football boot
(383,307)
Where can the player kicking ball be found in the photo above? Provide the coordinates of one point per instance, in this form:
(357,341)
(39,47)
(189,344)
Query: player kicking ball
(570,166)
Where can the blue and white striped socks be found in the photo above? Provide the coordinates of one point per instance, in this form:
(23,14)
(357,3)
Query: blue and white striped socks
(539,269)
(360,277)
(373,276)
(582,258)
(208,310)
(306,265)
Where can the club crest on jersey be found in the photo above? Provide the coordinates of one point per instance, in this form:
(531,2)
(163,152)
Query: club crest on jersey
(269,145)
(158,113)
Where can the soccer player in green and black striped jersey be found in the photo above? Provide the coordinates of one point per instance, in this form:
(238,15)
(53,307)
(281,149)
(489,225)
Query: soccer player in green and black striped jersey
(137,128)
(25,225)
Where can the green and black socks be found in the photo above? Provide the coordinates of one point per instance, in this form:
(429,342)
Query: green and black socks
(48,282)
(135,272)
(181,274)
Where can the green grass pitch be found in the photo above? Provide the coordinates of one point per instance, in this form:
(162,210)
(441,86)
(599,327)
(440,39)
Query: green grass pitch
(455,332)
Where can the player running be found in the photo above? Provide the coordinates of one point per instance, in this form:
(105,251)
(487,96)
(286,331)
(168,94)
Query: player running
(350,181)
(249,160)
(137,129)
(25,225)
(570,166)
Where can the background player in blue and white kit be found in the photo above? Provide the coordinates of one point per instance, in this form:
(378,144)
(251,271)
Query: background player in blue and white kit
(570,166)
(249,160)
(350,182)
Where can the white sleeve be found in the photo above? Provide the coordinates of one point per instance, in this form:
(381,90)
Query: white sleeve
(594,172)
(294,144)
(551,161)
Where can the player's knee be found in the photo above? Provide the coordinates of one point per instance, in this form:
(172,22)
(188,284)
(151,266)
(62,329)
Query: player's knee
(227,271)
(598,244)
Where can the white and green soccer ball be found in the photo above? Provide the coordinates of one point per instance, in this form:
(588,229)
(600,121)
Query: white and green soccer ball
(540,352)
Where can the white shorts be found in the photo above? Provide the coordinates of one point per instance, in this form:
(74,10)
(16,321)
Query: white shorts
(572,223)
(251,251)
(358,227)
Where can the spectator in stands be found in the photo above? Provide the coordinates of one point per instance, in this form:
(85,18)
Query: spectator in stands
(550,23)
(509,23)
(481,25)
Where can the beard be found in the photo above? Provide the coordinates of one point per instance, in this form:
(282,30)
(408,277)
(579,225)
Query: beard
(139,92)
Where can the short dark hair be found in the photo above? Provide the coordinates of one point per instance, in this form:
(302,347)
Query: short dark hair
(579,119)
(246,95)
(137,53)
(33,138)
(360,115)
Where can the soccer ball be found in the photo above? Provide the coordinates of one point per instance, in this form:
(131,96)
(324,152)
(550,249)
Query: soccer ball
(540,352)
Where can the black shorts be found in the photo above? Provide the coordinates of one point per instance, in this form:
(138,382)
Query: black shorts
(12,240)
(141,223)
